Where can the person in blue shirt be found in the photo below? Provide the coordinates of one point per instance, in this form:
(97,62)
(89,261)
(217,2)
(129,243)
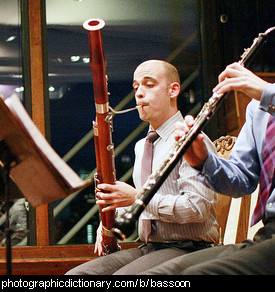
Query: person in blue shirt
(238,176)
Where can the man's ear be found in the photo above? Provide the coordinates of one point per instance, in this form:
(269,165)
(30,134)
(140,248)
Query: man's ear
(174,89)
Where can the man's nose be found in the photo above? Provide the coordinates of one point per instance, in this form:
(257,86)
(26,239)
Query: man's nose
(140,92)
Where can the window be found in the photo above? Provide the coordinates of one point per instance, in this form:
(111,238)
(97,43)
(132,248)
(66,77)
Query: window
(135,31)
(11,82)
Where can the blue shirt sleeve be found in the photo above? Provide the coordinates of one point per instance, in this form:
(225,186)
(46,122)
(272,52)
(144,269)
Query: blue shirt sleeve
(268,99)
(239,175)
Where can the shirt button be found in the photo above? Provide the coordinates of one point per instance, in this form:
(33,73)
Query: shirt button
(269,205)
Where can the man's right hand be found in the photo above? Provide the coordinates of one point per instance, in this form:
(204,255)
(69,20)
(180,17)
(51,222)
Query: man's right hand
(197,152)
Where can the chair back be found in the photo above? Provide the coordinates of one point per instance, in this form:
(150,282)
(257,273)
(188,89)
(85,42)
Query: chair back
(224,146)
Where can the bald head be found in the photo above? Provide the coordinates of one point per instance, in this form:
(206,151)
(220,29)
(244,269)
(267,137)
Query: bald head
(168,69)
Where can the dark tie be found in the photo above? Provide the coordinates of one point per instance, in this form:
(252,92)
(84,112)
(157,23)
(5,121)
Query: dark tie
(147,158)
(146,170)
(267,172)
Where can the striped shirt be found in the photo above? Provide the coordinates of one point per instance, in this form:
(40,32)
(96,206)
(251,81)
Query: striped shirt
(183,208)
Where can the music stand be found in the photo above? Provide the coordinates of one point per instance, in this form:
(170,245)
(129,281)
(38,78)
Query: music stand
(30,167)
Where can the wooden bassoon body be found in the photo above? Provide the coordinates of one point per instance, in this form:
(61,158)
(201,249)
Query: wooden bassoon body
(103,128)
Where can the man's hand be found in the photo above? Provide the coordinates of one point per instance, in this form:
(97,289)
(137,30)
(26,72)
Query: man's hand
(113,196)
(236,77)
(110,197)
(197,152)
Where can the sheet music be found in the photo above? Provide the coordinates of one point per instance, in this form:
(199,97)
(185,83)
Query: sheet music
(39,172)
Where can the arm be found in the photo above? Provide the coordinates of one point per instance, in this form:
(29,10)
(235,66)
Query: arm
(234,77)
(237,176)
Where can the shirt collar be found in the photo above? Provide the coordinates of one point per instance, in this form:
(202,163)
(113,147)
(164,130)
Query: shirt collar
(168,127)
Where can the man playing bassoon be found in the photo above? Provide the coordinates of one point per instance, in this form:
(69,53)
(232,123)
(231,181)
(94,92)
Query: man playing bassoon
(181,217)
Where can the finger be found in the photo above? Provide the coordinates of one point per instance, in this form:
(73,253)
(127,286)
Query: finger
(106,187)
(230,71)
(179,126)
(226,85)
(182,126)
(231,84)
(105,196)
(178,134)
(189,120)
(236,66)
(180,130)
(108,208)
(220,88)
(104,202)
(199,139)
(103,186)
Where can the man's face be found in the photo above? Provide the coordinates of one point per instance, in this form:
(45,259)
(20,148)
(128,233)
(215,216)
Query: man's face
(151,92)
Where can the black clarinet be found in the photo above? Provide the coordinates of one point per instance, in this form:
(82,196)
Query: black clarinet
(125,225)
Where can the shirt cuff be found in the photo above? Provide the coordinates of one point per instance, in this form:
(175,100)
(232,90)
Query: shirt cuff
(208,167)
(267,102)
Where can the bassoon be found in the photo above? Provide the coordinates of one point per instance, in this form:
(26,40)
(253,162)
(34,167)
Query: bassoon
(125,225)
(103,127)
